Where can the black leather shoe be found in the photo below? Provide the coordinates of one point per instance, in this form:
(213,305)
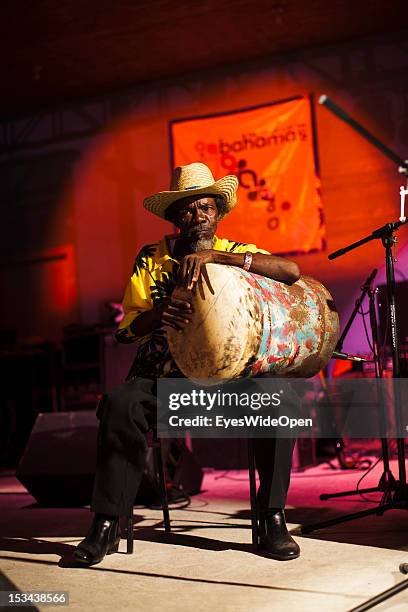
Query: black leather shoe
(275,538)
(103,539)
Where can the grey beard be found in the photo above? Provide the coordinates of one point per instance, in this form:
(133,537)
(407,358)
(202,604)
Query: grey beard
(202,244)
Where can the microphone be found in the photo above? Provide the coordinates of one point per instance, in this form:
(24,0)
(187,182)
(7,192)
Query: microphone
(341,114)
(325,101)
(347,357)
(370,279)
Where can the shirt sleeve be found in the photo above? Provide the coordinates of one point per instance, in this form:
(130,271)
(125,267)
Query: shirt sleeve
(135,301)
(240,247)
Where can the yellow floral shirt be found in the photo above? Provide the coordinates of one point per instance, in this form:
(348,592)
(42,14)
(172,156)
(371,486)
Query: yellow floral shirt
(154,278)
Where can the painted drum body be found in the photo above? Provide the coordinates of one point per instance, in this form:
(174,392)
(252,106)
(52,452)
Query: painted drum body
(251,325)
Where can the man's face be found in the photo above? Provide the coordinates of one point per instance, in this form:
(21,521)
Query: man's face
(196,217)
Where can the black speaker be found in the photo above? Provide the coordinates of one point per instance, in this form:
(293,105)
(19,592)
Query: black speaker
(58,464)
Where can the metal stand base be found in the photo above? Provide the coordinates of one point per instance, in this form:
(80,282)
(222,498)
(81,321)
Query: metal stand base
(374,601)
(390,501)
(386,484)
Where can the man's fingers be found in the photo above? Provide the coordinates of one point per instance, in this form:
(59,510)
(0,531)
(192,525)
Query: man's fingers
(169,325)
(174,323)
(177,316)
(177,324)
(166,328)
(181,295)
(200,287)
(194,274)
(174,313)
(204,273)
(185,270)
(189,273)
(176,303)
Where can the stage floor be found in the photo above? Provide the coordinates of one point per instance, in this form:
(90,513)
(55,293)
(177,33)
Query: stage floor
(207,563)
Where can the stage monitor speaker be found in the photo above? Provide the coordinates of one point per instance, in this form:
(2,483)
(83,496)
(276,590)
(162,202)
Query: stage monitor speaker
(58,464)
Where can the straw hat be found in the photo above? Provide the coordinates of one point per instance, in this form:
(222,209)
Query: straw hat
(193,179)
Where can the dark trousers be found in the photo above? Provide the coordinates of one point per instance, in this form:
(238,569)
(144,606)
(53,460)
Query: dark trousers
(126,415)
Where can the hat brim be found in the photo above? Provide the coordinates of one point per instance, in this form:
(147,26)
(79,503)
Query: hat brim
(225,187)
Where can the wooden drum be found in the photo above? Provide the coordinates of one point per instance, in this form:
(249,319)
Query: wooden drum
(254,325)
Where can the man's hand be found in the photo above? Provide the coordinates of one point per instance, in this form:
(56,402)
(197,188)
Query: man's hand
(193,270)
(176,313)
(192,267)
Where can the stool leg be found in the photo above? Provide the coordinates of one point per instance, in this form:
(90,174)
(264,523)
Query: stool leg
(129,533)
(162,486)
(252,493)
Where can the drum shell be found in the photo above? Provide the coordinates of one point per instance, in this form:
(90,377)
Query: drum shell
(252,325)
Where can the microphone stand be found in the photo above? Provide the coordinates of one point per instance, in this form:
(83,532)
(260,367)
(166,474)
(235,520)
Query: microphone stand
(364,290)
(396,492)
(387,483)
(374,601)
(338,442)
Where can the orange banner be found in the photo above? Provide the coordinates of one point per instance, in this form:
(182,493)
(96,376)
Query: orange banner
(271,151)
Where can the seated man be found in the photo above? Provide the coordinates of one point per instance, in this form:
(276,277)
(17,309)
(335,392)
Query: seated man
(195,204)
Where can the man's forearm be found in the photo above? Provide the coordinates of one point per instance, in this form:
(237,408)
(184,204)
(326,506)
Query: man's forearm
(278,268)
(147,321)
